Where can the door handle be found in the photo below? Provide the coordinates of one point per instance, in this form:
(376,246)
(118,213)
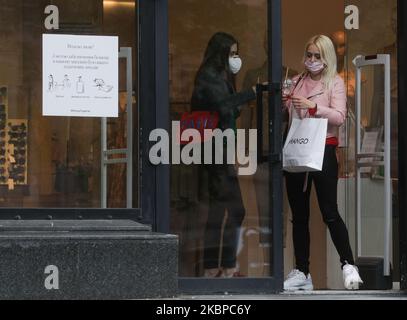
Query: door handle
(260,88)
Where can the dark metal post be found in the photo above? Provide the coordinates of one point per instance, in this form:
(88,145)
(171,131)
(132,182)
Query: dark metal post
(154,109)
(275,147)
(402,136)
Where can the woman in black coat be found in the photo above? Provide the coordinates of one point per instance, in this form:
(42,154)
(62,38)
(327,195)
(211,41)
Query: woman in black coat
(215,90)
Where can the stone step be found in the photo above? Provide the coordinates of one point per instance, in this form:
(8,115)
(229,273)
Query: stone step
(86,260)
(72,225)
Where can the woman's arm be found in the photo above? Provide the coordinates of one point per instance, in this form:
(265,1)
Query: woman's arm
(236,101)
(336,112)
(217,93)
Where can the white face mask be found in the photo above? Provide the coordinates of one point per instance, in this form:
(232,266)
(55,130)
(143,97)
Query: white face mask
(235,64)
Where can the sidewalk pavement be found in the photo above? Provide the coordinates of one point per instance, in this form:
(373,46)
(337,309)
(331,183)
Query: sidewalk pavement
(310,295)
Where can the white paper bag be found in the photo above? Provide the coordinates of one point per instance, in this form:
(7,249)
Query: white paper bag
(305,145)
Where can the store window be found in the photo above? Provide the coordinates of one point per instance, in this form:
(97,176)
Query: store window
(49,161)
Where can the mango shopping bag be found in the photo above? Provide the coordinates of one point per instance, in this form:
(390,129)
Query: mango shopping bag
(305,145)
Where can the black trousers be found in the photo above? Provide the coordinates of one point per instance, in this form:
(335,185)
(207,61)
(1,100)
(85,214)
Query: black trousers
(325,182)
(224,195)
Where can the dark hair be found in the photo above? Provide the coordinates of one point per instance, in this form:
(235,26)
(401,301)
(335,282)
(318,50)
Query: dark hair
(217,52)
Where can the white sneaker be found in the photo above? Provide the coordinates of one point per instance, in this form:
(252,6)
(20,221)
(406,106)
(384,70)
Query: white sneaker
(296,280)
(351,278)
(212,273)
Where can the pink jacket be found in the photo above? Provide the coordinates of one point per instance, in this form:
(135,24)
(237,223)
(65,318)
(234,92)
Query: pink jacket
(330,104)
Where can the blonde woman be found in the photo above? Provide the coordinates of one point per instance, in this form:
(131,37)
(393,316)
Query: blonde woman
(319,92)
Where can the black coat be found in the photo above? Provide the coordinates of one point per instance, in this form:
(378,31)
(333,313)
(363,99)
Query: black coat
(212,92)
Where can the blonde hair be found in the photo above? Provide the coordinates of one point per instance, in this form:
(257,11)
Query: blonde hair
(328,57)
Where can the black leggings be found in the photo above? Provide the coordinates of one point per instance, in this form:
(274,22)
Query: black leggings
(224,194)
(325,182)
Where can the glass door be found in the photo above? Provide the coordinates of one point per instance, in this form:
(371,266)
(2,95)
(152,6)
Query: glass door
(378,17)
(301,21)
(226,206)
(372,122)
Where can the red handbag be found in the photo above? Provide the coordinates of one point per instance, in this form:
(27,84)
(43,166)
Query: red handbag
(199,120)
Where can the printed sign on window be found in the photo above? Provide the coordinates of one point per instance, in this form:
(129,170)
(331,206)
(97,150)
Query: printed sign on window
(80,76)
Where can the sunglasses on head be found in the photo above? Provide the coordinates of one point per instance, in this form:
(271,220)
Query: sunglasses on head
(17,143)
(20,161)
(17,134)
(20,127)
(20,151)
(17,178)
(16,170)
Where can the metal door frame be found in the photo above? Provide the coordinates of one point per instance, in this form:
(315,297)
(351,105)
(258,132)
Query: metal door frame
(402,136)
(154,109)
(360,62)
(124,53)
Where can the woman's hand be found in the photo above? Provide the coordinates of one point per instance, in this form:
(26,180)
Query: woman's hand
(303,103)
(285,97)
(255,89)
